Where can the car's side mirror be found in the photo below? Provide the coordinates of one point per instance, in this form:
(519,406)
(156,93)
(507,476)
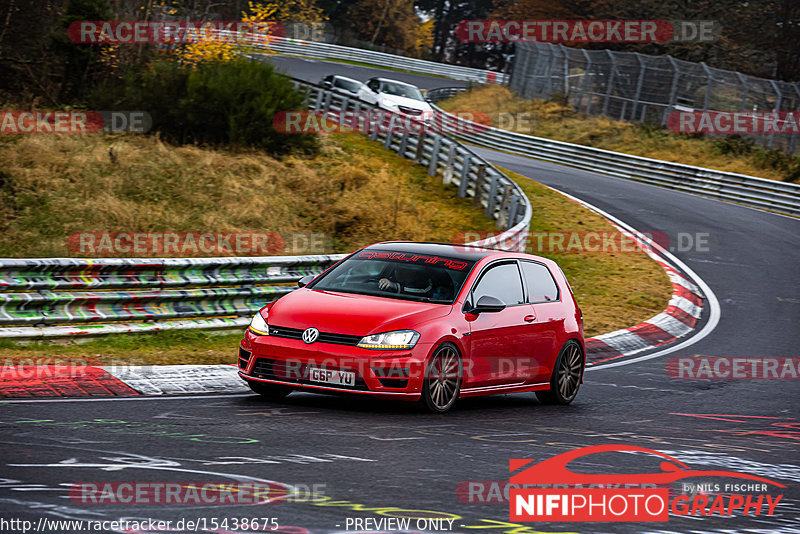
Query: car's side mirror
(303,282)
(488,304)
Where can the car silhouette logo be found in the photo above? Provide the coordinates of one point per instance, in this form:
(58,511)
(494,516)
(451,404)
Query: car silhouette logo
(554,470)
(310,335)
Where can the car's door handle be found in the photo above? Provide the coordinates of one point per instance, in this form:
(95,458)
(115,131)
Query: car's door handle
(530,318)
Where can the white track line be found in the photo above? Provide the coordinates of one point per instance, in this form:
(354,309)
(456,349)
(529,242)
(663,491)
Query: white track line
(711,298)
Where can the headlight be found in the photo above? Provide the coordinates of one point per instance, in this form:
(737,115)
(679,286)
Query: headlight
(258,325)
(399,339)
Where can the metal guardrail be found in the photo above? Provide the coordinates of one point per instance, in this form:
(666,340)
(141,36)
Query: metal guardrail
(68,297)
(501,198)
(752,191)
(318,50)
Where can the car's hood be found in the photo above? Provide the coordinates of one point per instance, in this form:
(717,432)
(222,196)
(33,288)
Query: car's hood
(345,313)
(407,102)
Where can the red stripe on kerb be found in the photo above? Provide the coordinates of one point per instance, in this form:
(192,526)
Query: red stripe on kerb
(60,381)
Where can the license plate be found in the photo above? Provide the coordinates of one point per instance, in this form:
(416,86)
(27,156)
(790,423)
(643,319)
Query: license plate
(331,376)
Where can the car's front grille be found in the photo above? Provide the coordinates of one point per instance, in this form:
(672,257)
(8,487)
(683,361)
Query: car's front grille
(324,337)
(409,111)
(296,372)
(244,358)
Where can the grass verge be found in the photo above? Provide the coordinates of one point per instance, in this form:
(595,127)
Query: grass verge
(556,120)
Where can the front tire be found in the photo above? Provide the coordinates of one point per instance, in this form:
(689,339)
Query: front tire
(567,376)
(443,376)
(270,391)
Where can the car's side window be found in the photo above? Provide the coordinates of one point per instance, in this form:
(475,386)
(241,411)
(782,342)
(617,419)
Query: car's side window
(541,286)
(374,84)
(500,281)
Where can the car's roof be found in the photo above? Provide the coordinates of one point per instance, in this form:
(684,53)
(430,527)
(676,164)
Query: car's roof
(346,78)
(460,252)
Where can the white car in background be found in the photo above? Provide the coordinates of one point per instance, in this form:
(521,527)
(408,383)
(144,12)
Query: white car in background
(342,84)
(396,96)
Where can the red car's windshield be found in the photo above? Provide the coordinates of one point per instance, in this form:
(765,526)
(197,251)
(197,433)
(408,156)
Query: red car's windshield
(399,275)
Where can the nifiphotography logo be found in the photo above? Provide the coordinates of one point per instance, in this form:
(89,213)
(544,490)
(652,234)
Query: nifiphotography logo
(624,497)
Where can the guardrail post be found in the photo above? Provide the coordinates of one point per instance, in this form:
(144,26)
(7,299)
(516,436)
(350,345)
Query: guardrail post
(502,216)
(318,101)
(451,160)
(390,132)
(327,103)
(462,187)
(490,204)
(403,144)
(420,153)
(476,200)
(512,212)
(437,142)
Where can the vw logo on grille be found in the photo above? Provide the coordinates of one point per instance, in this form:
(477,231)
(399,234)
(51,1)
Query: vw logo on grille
(310,335)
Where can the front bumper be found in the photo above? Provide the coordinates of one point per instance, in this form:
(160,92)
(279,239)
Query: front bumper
(270,359)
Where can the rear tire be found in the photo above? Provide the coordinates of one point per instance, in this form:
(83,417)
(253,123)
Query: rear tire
(442,382)
(270,391)
(567,375)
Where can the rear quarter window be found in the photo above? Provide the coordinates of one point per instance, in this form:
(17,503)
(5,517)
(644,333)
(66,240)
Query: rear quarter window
(541,285)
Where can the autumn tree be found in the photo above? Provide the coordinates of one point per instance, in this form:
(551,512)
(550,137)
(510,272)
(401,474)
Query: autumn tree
(392,23)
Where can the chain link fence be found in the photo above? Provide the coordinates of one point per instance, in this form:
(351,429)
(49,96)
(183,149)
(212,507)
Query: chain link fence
(641,88)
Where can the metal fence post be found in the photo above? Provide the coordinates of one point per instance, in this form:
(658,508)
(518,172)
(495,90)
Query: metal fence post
(639,84)
(610,82)
(673,90)
(709,79)
(778,103)
(745,92)
(586,75)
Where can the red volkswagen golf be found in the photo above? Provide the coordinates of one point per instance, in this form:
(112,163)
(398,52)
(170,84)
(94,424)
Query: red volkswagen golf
(422,322)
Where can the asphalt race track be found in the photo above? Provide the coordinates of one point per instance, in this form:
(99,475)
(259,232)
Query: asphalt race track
(379,459)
